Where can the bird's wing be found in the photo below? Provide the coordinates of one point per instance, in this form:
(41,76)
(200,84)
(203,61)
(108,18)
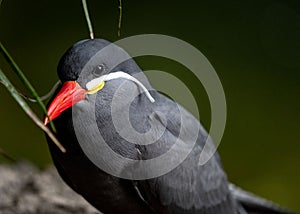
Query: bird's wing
(190,187)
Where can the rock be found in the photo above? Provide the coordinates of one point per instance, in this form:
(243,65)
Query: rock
(26,190)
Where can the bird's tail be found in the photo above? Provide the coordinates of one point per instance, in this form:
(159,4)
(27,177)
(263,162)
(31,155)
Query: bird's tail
(253,204)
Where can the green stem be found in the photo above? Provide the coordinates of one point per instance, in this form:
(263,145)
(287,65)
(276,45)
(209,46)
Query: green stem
(25,81)
(44,97)
(120,18)
(87,16)
(27,109)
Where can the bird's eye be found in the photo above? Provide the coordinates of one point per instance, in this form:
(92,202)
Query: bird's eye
(99,70)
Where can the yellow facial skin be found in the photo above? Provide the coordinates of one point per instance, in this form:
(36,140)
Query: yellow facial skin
(96,88)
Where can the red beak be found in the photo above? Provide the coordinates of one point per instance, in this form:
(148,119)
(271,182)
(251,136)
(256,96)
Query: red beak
(70,94)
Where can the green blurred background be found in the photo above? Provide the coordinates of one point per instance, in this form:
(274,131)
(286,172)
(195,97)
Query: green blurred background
(253,45)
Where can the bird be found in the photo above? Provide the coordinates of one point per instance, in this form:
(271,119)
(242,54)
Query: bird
(100,83)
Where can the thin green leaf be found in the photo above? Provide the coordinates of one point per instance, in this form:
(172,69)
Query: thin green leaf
(28,111)
(25,81)
(6,156)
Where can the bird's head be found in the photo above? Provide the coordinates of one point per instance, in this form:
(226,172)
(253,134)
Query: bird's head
(85,68)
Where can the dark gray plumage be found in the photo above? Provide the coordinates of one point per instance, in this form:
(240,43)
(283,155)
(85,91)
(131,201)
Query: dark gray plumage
(190,188)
